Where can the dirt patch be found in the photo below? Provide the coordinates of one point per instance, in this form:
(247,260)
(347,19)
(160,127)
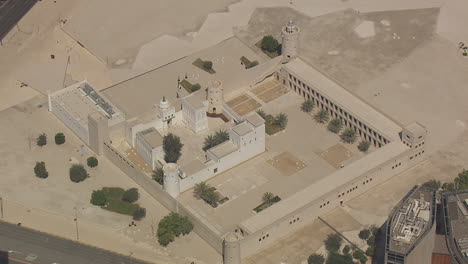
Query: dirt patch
(238,100)
(137,160)
(246,107)
(263,88)
(273,93)
(336,155)
(286,163)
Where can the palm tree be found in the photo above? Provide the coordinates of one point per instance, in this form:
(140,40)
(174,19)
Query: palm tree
(335,125)
(210,141)
(322,116)
(221,136)
(349,135)
(267,198)
(158,175)
(200,189)
(261,113)
(281,120)
(307,106)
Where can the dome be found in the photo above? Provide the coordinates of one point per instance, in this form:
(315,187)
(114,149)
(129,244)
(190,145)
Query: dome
(164,104)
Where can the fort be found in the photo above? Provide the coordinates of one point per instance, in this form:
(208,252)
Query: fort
(136,114)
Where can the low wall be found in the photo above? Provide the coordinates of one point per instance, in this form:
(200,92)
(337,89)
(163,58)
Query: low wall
(203,229)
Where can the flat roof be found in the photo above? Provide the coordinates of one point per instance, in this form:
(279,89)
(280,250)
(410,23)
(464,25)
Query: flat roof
(139,94)
(223,149)
(152,137)
(323,186)
(242,128)
(416,128)
(81,99)
(196,99)
(345,99)
(255,119)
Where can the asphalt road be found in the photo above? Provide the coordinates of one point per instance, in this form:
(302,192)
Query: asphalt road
(12,12)
(31,247)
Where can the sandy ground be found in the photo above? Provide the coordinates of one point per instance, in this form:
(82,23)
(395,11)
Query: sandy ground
(51,204)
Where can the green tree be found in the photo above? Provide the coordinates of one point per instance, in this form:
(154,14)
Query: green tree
(374,230)
(172,226)
(98,198)
(208,65)
(333,242)
(316,259)
(371,240)
(448,187)
(78,173)
(209,142)
(346,249)
(359,255)
(335,125)
(281,120)
(139,213)
(307,105)
(172,148)
(267,198)
(364,234)
(335,258)
(270,44)
(364,145)
(158,176)
(59,138)
(200,189)
(207,193)
(41,140)
(348,136)
(213,140)
(40,170)
(321,116)
(131,195)
(461,182)
(370,251)
(92,162)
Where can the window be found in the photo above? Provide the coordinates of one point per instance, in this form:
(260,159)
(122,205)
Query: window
(215,170)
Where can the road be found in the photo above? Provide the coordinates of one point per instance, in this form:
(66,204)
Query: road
(31,247)
(11,13)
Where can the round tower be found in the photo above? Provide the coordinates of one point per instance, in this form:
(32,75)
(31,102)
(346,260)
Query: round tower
(231,249)
(171,179)
(290,41)
(215,97)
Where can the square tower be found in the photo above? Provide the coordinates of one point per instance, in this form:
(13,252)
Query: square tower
(414,135)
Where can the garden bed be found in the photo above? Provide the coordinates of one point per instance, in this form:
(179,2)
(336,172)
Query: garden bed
(190,87)
(263,206)
(270,54)
(270,127)
(114,201)
(201,64)
(247,63)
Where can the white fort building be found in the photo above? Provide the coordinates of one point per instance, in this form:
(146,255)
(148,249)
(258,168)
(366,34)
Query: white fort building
(106,121)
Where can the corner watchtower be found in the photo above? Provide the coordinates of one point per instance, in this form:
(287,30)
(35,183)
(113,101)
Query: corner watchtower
(290,41)
(215,98)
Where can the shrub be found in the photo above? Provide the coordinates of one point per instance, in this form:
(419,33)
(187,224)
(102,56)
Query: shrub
(172,148)
(92,162)
(158,176)
(307,106)
(270,44)
(41,140)
(40,170)
(207,193)
(131,195)
(348,136)
(261,113)
(78,173)
(364,145)
(171,226)
(59,138)
(333,242)
(321,116)
(335,258)
(364,234)
(281,120)
(208,65)
(316,259)
(219,137)
(335,126)
(98,198)
(371,240)
(139,213)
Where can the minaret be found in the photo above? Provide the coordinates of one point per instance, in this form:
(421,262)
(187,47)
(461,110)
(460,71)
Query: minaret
(166,112)
(215,97)
(231,249)
(290,41)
